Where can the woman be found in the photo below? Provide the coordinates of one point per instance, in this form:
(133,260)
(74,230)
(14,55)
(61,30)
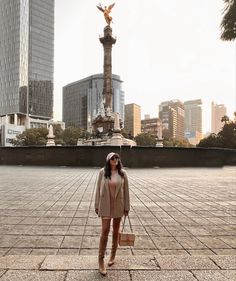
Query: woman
(111,203)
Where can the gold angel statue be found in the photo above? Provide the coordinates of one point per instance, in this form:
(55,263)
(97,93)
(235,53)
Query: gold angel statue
(106,11)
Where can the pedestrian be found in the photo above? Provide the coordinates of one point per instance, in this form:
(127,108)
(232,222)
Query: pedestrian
(111,203)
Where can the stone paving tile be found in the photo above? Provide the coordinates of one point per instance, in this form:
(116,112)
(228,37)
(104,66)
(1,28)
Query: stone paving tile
(182,262)
(50,242)
(213,242)
(27,241)
(44,252)
(91,242)
(230,274)
(204,252)
(225,252)
(144,252)
(166,243)
(190,242)
(2,272)
(162,276)
(57,230)
(72,242)
(69,262)
(144,242)
(29,275)
(209,275)
(229,240)
(173,252)
(225,262)
(156,230)
(8,240)
(94,275)
(68,252)
(135,262)
(19,251)
(3,251)
(21,262)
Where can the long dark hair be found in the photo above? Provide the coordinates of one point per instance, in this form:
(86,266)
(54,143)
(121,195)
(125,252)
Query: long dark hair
(119,167)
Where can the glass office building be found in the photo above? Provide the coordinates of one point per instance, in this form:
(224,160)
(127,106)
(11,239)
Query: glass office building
(83,100)
(26,58)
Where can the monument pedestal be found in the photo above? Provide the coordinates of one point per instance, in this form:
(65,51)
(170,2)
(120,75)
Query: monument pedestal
(103,125)
(50,137)
(159,143)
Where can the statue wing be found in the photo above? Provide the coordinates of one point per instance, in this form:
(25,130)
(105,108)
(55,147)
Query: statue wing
(100,8)
(111,6)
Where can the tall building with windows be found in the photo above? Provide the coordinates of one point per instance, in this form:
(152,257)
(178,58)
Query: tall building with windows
(217,112)
(150,125)
(83,100)
(132,123)
(171,114)
(193,121)
(26,60)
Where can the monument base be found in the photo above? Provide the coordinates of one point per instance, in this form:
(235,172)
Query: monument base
(50,142)
(159,143)
(116,140)
(103,125)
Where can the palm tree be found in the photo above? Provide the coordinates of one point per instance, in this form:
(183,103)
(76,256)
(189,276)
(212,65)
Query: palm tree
(228,24)
(225,119)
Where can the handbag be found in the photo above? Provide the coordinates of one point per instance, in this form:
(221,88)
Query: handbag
(126,239)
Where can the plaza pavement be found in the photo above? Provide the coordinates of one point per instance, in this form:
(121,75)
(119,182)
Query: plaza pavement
(184,220)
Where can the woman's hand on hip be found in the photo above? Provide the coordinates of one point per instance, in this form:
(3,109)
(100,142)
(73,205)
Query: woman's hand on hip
(96,211)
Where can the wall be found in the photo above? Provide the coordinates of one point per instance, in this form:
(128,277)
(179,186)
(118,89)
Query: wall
(92,156)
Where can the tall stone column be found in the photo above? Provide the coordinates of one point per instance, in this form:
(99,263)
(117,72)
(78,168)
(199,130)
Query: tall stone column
(107,41)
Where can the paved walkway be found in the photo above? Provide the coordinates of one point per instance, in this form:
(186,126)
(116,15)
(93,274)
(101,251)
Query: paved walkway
(184,220)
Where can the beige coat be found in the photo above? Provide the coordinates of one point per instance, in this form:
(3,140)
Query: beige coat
(102,199)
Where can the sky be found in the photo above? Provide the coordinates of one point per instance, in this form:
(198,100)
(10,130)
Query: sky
(164,50)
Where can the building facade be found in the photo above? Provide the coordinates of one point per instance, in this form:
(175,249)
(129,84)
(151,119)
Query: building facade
(193,121)
(132,123)
(217,112)
(26,59)
(171,114)
(83,100)
(150,125)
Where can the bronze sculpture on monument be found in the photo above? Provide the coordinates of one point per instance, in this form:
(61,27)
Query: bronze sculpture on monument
(107,123)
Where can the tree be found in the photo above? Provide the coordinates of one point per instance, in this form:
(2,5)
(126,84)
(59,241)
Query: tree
(228,24)
(225,119)
(58,133)
(210,141)
(71,135)
(145,139)
(177,143)
(125,134)
(226,138)
(33,136)
(227,135)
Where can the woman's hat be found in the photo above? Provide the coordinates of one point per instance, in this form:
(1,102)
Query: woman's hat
(109,155)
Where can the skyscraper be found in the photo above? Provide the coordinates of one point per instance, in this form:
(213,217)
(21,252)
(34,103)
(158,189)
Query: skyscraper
(193,121)
(217,112)
(132,123)
(83,100)
(150,125)
(26,59)
(171,114)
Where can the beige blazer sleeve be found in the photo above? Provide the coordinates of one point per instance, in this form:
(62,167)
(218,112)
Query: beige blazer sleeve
(97,194)
(126,192)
